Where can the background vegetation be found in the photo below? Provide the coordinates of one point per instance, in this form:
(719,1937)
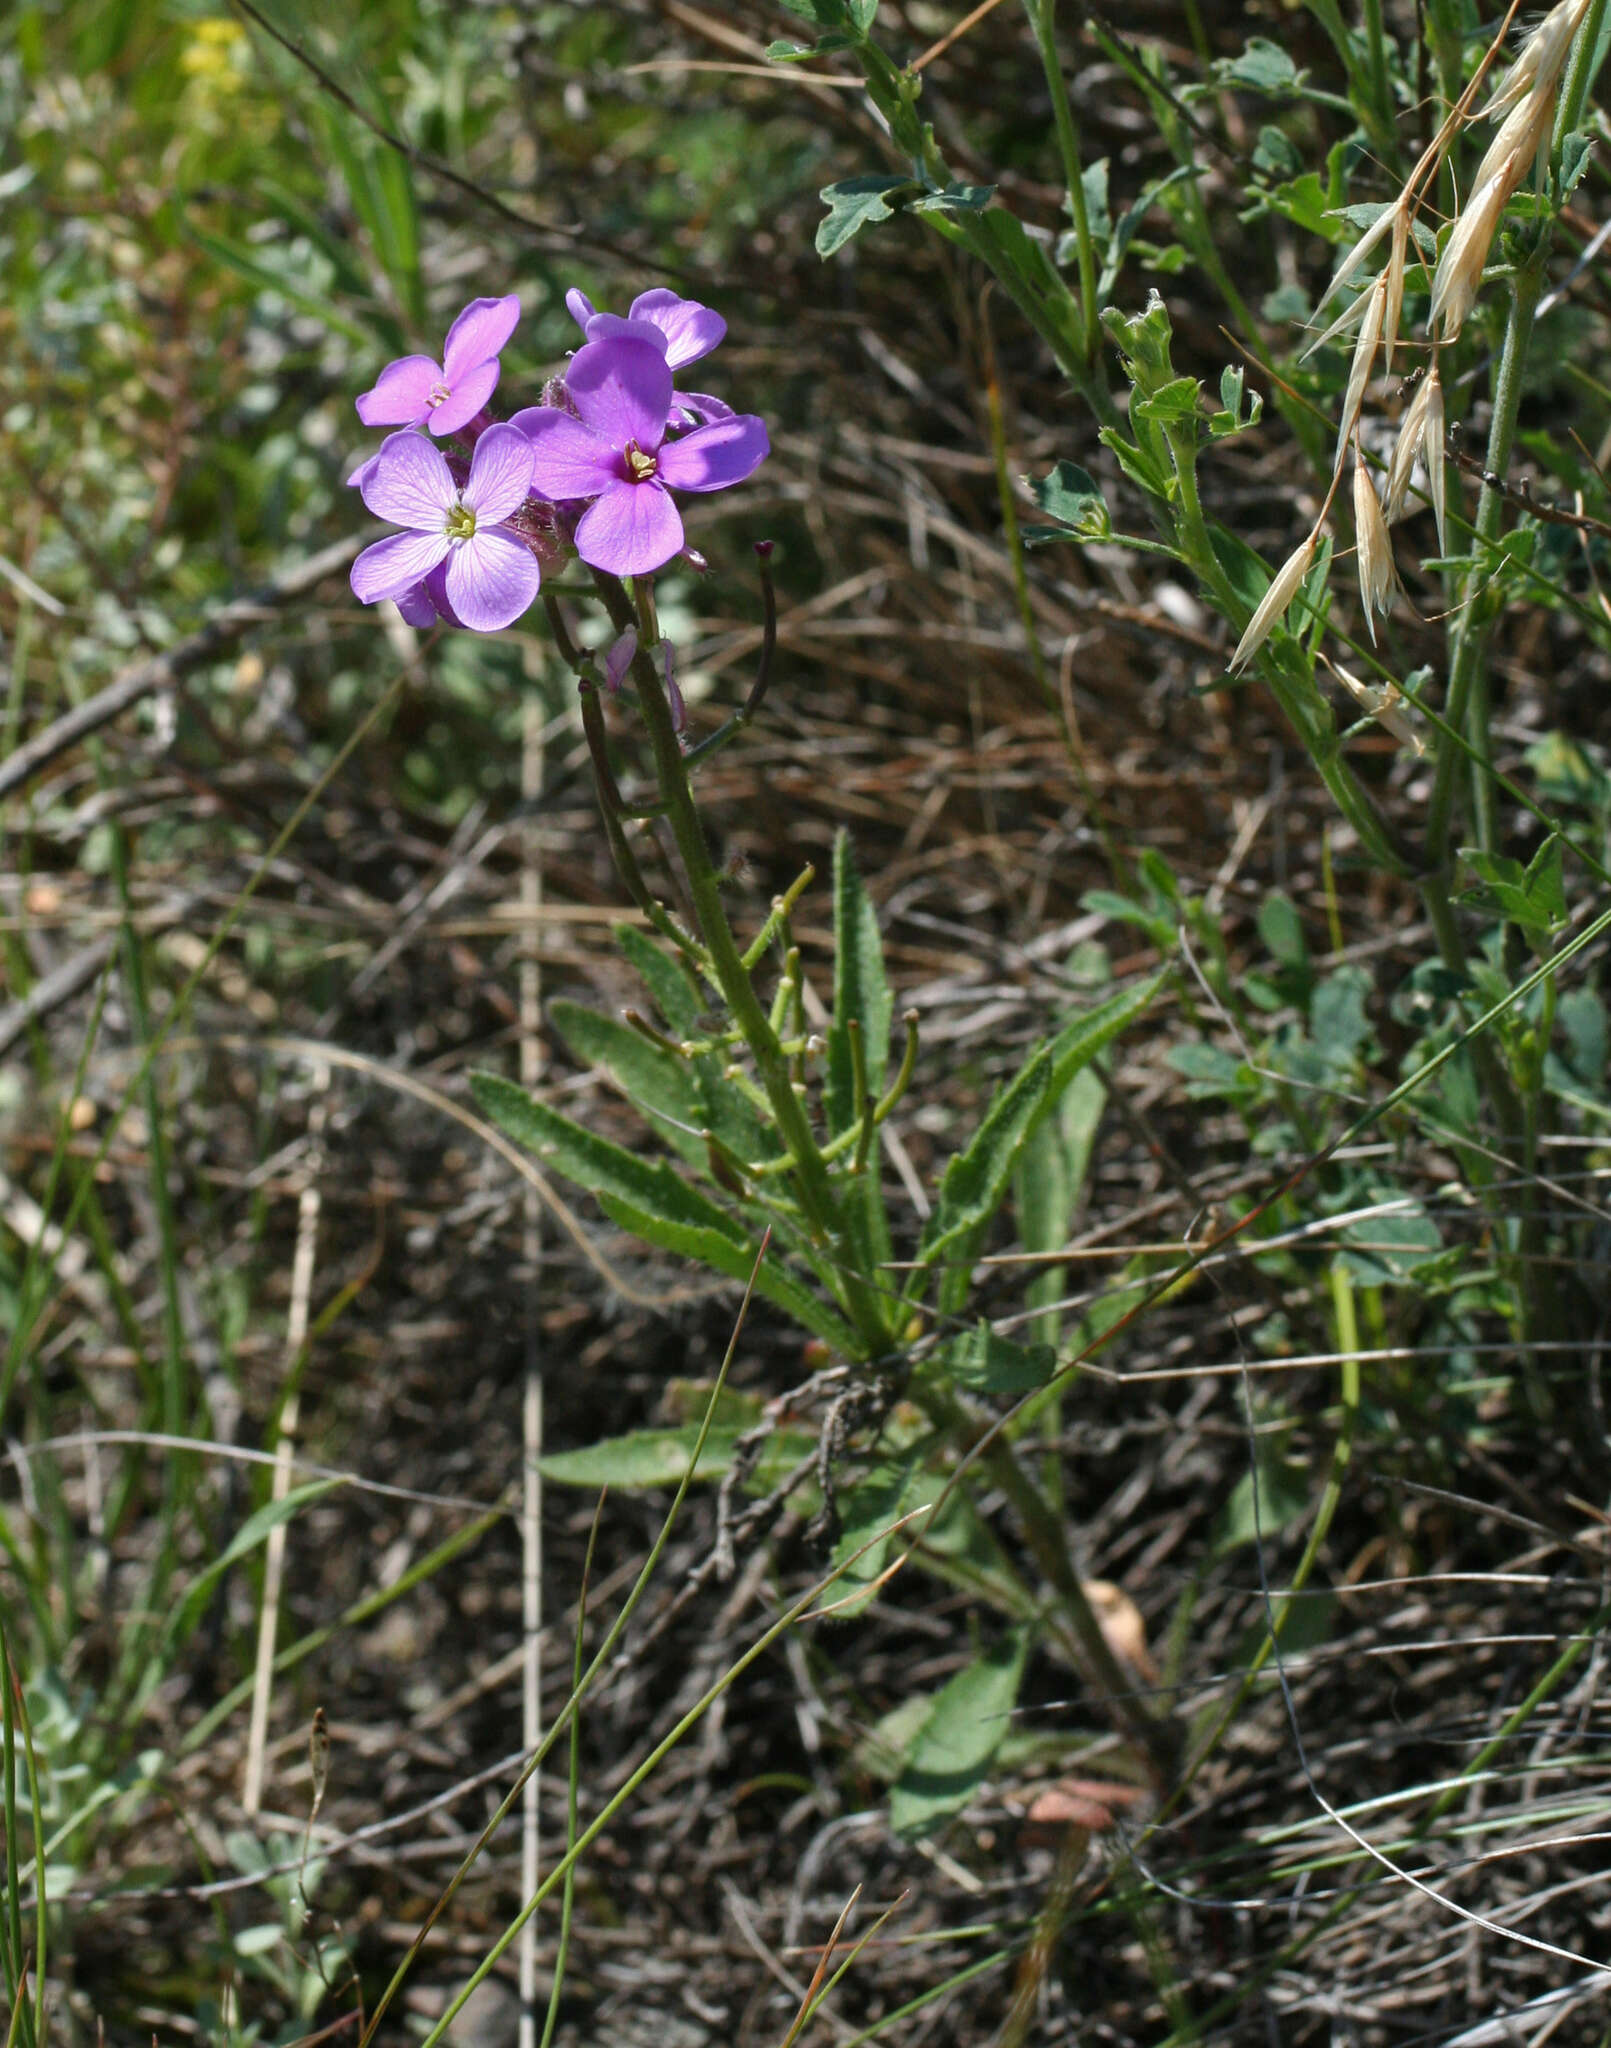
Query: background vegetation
(261,923)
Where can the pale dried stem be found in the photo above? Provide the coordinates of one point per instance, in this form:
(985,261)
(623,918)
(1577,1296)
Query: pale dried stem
(531,1431)
(296,1335)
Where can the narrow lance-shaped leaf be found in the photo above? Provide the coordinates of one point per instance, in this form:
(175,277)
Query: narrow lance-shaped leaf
(657,1082)
(650,1199)
(860,992)
(722,1248)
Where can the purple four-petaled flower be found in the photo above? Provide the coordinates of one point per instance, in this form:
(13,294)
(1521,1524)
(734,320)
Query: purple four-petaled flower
(615,452)
(445,396)
(683,328)
(690,329)
(457,544)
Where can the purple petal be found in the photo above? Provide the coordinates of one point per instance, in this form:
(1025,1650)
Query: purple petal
(401,395)
(410,483)
(579,306)
(711,458)
(698,408)
(466,399)
(436,591)
(611,327)
(568,459)
(633,529)
(394,565)
(478,334)
(619,659)
(500,474)
(416,606)
(622,389)
(491,578)
(691,330)
(365,469)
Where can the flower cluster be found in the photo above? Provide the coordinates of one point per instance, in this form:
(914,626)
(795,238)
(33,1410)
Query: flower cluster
(591,468)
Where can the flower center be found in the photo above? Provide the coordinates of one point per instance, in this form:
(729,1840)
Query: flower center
(439,394)
(639,466)
(460,522)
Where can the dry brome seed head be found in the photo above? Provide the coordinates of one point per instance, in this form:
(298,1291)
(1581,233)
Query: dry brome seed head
(1459,271)
(1370,333)
(1405,449)
(1384,705)
(1283,588)
(1378,579)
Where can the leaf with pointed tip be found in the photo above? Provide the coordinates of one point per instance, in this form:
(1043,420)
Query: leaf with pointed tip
(676,993)
(853,204)
(660,1457)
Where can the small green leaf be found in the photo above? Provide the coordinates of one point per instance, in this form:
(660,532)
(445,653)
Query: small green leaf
(1094,187)
(955,199)
(860,992)
(1262,67)
(1388,1250)
(1283,1495)
(1367,214)
(1281,929)
(1275,154)
(1583,1022)
(1337,1020)
(1179,399)
(1574,159)
(720,1245)
(655,1081)
(1088,1035)
(1533,897)
(1047,1187)
(976,1178)
(954,1748)
(649,1185)
(1073,497)
(1124,232)
(986,1363)
(867,1510)
(676,993)
(853,204)
(660,1457)
(1568,772)
(260,1940)
(883,1750)
(1232,420)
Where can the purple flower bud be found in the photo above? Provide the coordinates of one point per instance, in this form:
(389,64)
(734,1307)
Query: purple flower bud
(619,659)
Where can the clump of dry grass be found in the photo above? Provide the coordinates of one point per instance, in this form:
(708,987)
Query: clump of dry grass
(1526,99)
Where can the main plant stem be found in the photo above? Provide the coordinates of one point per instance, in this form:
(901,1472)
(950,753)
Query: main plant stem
(1473,622)
(812,1181)
(1041,1525)
(1043,20)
